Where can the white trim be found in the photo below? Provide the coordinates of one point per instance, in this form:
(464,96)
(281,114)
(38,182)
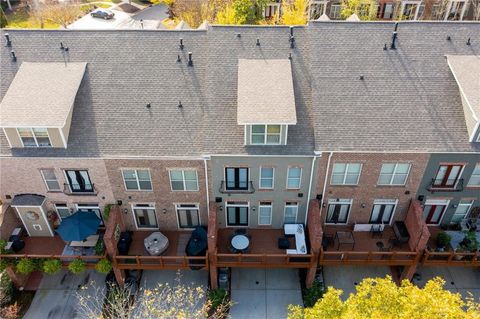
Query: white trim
(46,221)
(476,131)
(286,135)
(183,179)
(312,168)
(394,173)
(56,209)
(265,138)
(470,205)
(260,178)
(177,206)
(152,205)
(271,212)
(6,136)
(137,179)
(239,203)
(325,182)
(341,201)
(206,185)
(21,218)
(449,7)
(474,168)
(63,138)
(347,164)
(436,202)
(300,178)
(45,180)
(35,137)
(385,201)
(415,2)
(285,211)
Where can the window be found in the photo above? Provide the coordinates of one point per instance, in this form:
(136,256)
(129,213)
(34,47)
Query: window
(236,178)
(335,10)
(382,211)
(50,179)
(388,11)
(433,211)
(462,211)
(266,177)
(475,178)
(436,12)
(62,210)
(145,216)
(317,8)
(456,10)
(184,180)
(237,213)
(265,213)
(338,211)
(188,215)
(266,134)
(409,10)
(91,208)
(79,181)
(294,177)
(447,176)
(138,179)
(271,10)
(291,210)
(34,137)
(393,174)
(346,173)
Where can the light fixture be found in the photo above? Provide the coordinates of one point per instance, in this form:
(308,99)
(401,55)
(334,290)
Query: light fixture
(125,211)
(363,205)
(119,202)
(164,210)
(254,208)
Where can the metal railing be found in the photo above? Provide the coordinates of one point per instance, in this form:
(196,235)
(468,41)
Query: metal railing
(451,258)
(75,189)
(437,186)
(160,262)
(226,190)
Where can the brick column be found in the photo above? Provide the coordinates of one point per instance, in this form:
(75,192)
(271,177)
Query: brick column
(315,233)
(115,220)
(212,245)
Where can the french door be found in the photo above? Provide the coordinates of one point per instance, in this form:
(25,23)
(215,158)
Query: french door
(447,176)
(237,214)
(433,212)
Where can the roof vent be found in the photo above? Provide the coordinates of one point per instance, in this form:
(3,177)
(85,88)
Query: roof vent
(258,42)
(289,56)
(239,35)
(394,38)
(190,61)
(63,48)
(148,106)
(385,47)
(179,59)
(141,23)
(14,57)
(361,77)
(468,42)
(181,44)
(180,104)
(8,43)
(449,38)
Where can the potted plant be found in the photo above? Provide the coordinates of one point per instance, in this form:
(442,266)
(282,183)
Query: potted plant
(77,266)
(104,266)
(25,266)
(51,266)
(469,244)
(443,240)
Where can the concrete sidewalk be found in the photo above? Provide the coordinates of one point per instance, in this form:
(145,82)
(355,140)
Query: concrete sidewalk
(264,293)
(56,298)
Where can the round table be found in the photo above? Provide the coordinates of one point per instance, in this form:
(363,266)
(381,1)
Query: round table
(240,242)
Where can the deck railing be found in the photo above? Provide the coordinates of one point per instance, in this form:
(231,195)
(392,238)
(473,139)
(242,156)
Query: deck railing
(90,261)
(390,258)
(265,260)
(451,258)
(160,262)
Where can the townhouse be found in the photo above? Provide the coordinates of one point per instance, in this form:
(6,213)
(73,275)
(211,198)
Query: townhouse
(342,128)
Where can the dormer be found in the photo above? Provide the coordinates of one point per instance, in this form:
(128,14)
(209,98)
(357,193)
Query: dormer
(466,70)
(37,109)
(266,100)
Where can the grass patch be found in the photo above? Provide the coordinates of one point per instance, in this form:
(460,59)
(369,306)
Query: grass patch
(21,19)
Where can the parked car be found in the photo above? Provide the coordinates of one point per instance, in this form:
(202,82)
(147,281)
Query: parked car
(103,14)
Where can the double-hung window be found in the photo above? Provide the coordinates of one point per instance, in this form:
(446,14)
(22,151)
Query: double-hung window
(265,213)
(294,177)
(137,179)
(346,173)
(62,210)
(236,178)
(50,179)
(382,211)
(266,134)
(462,211)
(188,215)
(34,137)
(447,176)
(266,177)
(237,213)
(475,178)
(145,216)
(338,211)
(184,180)
(393,174)
(290,214)
(79,181)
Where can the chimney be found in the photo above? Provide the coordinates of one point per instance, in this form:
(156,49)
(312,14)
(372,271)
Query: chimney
(258,42)
(8,43)
(14,57)
(468,42)
(190,61)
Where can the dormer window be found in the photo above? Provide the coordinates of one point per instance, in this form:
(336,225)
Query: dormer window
(266,134)
(34,137)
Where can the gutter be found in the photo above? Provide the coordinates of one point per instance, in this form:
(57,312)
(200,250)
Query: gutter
(325,182)
(205,159)
(317,154)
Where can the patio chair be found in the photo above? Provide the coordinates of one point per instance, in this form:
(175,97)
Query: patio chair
(240,231)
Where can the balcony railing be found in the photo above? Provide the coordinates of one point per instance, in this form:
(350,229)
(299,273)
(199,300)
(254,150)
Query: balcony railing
(391,258)
(265,260)
(436,186)
(451,258)
(160,262)
(77,189)
(227,190)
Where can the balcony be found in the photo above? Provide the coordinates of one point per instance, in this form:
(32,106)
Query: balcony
(76,189)
(249,189)
(438,186)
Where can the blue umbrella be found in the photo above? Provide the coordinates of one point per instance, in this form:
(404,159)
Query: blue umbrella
(78,226)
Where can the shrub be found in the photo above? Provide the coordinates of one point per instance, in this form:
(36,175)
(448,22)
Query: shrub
(99,248)
(6,290)
(469,243)
(104,266)
(77,266)
(217,297)
(106,212)
(3,243)
(443,239)
(10,312)
(51,266)
(25,266)
(313,294)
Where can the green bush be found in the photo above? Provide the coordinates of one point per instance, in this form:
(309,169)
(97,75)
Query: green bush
(99,248)
(51,266)
(106,212)
(3,243)
(77,266)
(25,266)
(6,290)
(217,297)
(104,266)
(443,239)
(311,295)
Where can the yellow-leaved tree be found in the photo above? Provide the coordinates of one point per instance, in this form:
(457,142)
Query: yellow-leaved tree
(294,12)
(364,9)
(381,298)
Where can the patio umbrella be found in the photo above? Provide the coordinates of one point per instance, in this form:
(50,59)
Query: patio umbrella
(78,226)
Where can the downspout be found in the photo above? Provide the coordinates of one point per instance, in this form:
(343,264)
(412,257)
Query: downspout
(311,182)
(205,158)
(325,181)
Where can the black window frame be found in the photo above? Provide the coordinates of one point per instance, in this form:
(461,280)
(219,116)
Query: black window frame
(83,189)
(237,182)
(237,216)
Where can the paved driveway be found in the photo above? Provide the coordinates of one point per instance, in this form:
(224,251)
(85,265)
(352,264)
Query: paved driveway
(87,22)
(158,12)
(56,298)
(260,293)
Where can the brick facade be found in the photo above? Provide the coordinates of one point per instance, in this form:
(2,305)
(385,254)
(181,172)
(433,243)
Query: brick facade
(162,195)
(367,189)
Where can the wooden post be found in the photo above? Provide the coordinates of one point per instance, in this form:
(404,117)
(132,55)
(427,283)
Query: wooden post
(212,245)
(315,233)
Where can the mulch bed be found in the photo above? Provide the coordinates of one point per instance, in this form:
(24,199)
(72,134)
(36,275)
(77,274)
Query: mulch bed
(128,8)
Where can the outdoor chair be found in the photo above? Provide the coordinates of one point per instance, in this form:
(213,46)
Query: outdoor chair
(283,243)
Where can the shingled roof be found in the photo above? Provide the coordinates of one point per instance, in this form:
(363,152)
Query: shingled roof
(408,99)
